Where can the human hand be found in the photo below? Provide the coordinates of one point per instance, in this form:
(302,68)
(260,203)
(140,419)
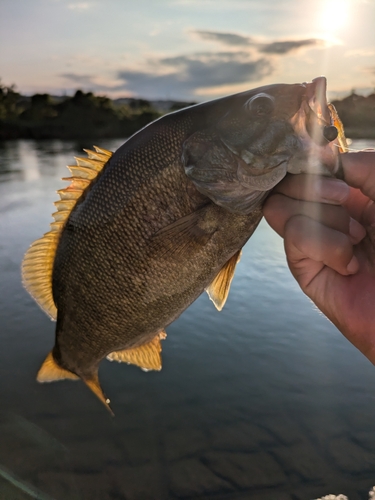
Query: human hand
(328,228)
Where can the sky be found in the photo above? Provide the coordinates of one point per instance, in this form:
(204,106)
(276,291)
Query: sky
(191,50)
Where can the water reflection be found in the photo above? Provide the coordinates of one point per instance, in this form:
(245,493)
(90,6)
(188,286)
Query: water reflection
(265,400)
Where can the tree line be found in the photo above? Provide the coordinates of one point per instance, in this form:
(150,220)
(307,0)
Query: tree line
(83,115)
(86,115)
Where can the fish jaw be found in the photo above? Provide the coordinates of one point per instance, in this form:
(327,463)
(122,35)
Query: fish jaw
(318,155)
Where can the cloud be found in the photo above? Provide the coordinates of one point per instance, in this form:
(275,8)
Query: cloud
(225,38)
(85,80)
(190,76)
(184,75)
(286,46)
(180,77)
(280,47)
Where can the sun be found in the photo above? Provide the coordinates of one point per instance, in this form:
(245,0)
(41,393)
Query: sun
(334,15)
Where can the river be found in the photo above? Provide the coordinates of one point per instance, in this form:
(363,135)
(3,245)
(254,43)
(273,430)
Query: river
(265,400)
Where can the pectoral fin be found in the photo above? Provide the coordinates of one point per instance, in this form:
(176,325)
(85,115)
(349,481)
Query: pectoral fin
(218,290)
(185,235)
(146,356)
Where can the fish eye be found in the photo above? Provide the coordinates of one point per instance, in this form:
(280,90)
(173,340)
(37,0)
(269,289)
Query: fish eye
(261,104)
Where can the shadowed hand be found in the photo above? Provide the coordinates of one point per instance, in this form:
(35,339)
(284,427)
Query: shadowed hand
(328,228)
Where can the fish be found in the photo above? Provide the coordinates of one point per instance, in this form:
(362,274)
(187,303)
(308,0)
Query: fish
(141,233)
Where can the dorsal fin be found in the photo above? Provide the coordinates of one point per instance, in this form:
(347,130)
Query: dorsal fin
(37,264)
(146,356)
(218,290)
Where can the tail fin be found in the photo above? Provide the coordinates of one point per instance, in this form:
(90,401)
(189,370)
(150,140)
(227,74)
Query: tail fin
(93,384)
(50,371)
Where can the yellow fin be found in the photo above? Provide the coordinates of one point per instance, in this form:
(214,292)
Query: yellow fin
(344,148)
(77,183)
(146,356)
(93,155)
(86,162)
(82,172)
(37,265)
(64,205)
(218,290)
(69,194)
(94,385)
(50,371)
(104,152)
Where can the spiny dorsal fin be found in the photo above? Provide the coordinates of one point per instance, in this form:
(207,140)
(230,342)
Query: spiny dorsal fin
(50,371)
(218,290)
(146,356)
(38,262)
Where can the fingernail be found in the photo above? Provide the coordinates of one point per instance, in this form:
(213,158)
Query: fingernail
(356,230)
(353,265)
(334,190)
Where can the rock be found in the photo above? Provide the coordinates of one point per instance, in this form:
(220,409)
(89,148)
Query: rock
(139,447)
(191,478)
(301,459)
(242,436)
(94,486)
(350,457)
(182,443)
(283,428)
(333,497)
(361,420)
(246,470)
(139,483)
(33,457)
(364,439)
(92,456)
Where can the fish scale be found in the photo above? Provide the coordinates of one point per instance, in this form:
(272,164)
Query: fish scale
(140,234)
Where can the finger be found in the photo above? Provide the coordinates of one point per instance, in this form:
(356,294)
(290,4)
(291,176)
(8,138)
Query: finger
(310,246)
(278,209)
(314,188)
(356,204)
(359,171)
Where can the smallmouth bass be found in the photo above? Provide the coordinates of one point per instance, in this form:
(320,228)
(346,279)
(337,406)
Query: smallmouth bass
(139,234)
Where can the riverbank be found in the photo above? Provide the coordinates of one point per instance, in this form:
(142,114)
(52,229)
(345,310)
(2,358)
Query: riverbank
(43,116)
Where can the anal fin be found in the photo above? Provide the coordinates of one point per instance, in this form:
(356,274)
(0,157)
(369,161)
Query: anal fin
(218,290)
(146,356)
(50,371)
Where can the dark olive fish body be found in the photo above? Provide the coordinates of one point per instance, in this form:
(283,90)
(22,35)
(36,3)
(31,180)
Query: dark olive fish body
(169,211)
(111,288)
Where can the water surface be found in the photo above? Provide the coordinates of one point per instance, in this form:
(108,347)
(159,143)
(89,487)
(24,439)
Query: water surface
(265,400)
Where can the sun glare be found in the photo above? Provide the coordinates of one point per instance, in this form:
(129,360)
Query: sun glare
(335,15)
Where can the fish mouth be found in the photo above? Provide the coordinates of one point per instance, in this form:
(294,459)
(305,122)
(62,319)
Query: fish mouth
(320,132)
